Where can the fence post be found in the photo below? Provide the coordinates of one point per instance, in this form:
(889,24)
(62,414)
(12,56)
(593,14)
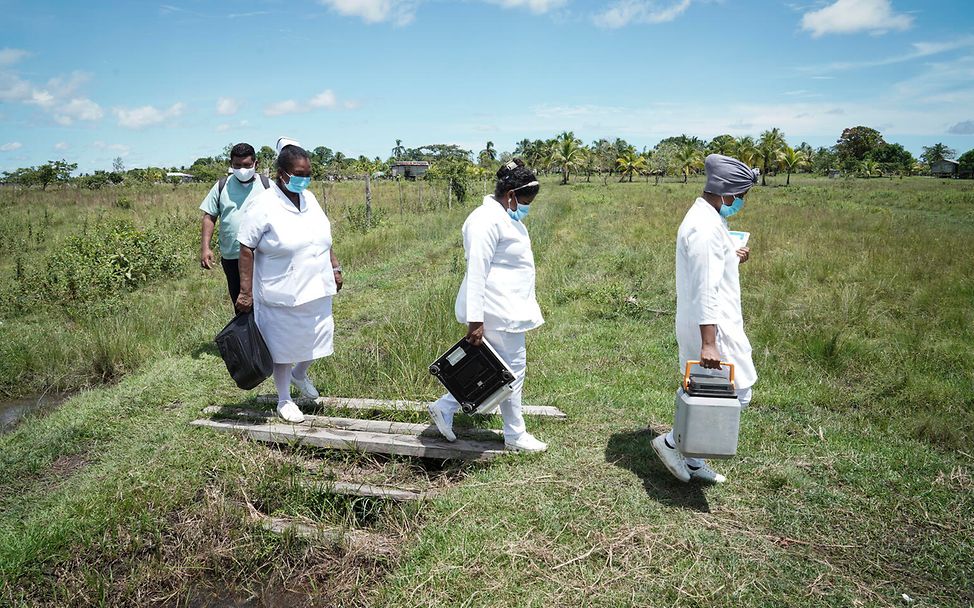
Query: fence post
(399,179)
(368,201)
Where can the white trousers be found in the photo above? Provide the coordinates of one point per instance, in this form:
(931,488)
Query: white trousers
(512,350)
(743,395)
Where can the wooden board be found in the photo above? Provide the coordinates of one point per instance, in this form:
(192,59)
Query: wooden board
(354,540)
(364,489)
(402,406)
(353,424)
(400,444)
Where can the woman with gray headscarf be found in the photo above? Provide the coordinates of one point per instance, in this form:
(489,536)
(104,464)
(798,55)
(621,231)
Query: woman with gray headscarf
(709,322)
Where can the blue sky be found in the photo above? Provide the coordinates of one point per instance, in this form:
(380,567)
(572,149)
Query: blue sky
(162,83)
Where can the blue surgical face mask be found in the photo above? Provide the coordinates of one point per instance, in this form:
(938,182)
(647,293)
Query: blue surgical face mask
(729,210)
(297,184)
(521,213)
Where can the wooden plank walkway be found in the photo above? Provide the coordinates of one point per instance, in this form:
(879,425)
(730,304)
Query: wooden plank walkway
(402,406)
(397,438)
(354,424)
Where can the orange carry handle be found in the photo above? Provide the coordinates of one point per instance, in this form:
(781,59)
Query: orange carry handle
(686,376)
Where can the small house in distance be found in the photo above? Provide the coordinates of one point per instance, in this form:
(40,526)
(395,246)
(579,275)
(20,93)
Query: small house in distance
(184,178)
(945,168)
(409,169)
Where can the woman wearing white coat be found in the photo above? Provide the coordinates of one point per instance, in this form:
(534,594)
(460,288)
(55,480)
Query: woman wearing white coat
(288,274)
(496,299)
(709,321)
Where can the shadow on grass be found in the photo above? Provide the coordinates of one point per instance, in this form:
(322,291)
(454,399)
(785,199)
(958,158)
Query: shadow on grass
(633,451)
(205,349)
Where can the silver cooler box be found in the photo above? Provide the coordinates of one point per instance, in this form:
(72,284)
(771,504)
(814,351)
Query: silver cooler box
(708,415)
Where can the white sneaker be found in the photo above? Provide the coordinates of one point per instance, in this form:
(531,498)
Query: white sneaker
(305,387)
(525,443)
(288,410)
(672,459)
(439,420)
(705,473)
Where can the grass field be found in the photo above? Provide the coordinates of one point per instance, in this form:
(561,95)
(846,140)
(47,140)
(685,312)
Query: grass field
(854,483)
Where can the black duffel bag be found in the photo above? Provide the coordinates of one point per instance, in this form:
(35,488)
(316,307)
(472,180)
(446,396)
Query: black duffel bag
(244,351)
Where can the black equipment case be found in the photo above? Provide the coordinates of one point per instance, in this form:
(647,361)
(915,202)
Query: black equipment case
(475,375)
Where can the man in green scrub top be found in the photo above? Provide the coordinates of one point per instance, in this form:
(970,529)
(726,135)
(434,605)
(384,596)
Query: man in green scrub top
(226,202)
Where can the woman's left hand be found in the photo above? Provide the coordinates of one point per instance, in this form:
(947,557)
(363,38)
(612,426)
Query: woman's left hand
(744,253)
(338,280)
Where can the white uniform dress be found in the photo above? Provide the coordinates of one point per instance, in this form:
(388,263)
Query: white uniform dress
(498,290)
(293,280)
(708,292)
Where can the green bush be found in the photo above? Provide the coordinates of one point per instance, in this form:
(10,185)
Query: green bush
(114,257)
(90,269)
(358,221)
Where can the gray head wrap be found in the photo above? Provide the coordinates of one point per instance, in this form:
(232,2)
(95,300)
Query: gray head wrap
(727,176)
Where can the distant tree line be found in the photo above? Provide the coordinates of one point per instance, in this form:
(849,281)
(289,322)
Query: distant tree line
(860,151)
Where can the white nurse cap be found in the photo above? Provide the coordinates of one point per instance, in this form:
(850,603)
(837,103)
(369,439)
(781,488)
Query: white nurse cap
(286,141)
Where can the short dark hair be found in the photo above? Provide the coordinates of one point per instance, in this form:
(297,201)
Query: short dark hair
(514,176)
(289,155)
(242,151)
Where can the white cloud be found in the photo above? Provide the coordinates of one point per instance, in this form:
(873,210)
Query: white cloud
(537,7)
(10,56)
(326,100)
(227,106)
(79,108)
(399,12)
(852,16)
(283,107)
(919,50)
(626,12)
(915,107)
(11,146)
(61,146)
(58,96)
(962,128)
(146,116)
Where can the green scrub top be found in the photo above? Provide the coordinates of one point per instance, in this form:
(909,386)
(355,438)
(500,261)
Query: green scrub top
(229,207)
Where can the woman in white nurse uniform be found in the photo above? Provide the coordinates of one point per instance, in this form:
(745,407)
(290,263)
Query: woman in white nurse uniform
(709,321)
(496,299)
(288,274)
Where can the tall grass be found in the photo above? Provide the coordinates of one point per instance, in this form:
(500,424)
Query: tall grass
(853,485)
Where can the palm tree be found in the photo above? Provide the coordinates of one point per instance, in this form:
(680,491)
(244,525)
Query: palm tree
(807,153)
(870,168)
(722,144)
(399,150)
(745,149)
(522,148)
(769,150)
(630,163)
(589,163)
(567,154)
(687,159)
(488,154)
(791,160)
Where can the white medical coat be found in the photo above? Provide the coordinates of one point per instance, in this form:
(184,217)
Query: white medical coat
(498,288)
(292,258)
(708,291)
